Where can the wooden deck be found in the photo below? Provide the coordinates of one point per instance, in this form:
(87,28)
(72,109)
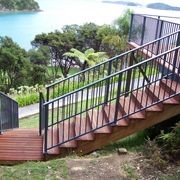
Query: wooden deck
(21,145)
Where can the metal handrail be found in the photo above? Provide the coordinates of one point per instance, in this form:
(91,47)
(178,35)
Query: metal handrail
(110,76)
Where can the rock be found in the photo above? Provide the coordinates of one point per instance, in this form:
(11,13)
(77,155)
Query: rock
(122,151)
(95,154)
(77,168)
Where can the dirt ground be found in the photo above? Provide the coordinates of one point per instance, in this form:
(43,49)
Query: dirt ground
(119,167)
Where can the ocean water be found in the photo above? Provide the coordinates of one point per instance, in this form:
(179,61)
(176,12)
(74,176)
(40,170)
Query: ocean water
(23,27)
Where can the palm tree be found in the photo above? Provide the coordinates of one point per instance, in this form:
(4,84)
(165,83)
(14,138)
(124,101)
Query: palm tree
(87,59)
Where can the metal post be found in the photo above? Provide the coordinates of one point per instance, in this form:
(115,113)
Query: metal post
(117,98)
(130,30)
(128,80)
(176,56)
(160,34)
(157,27)
(17,114)
(40,112)
(143,30)
(161,28)
(106,95)
(46,128)
(47,95)
(0,114)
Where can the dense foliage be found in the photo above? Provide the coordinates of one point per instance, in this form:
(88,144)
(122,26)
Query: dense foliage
(18,67)
(18,5)
(56,53)
(164,147)
(107,38)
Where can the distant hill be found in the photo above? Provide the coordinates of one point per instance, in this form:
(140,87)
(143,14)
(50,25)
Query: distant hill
(18,5)
(163,6)
(126,3)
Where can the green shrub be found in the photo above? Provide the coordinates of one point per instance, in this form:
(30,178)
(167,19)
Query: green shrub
(26,95)
(170,142)
(27,99)
(165,126)
(164,147)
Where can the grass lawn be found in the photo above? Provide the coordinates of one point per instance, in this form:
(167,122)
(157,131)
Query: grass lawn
(29,122)
(51,170)
(93,165)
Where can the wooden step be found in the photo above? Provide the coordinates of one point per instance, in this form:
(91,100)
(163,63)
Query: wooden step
(17,145)
(98,119)
(82,126)
(52,140)
(110,113)
(66,132)
(21,132)
(172,87)
(130,106)
(162,94)
(145,99)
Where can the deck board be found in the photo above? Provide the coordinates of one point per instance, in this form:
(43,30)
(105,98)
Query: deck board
(21,145)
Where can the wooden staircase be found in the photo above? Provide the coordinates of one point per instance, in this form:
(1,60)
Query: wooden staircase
(142,96)
(98,128)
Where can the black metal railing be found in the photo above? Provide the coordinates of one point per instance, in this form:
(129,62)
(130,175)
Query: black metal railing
(91,98)
(108,84)
(8,113)
(110,66)
(41,113)
(144,28)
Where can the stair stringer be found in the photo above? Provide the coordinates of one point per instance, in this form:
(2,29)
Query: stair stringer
(152,118)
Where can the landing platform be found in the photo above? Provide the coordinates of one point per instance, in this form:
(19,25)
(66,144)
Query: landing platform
(21,145)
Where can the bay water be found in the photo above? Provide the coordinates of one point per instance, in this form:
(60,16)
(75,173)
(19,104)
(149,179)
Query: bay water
(23,26)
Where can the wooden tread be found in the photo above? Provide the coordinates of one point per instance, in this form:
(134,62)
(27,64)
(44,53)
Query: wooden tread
(66,132)
(130,106)
(162,93)
(98,119)
(110,113)
(172,87)
(146,99)
(82,126)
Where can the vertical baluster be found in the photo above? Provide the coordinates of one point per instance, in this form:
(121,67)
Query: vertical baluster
(143,30)
(46,128)
(47,95)
(129,80)
(108,83)
(131,25)
(117,97)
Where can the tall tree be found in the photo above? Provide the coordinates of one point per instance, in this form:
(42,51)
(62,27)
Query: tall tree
(111,41)
(13,64)
(123,23)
